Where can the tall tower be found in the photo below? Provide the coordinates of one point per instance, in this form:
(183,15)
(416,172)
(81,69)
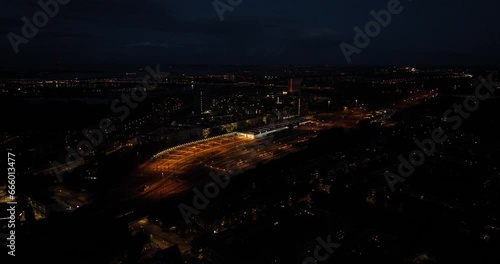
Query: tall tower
(298,111)
(202,99)
(290,89)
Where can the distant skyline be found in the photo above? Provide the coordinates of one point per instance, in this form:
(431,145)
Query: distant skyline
(144,32)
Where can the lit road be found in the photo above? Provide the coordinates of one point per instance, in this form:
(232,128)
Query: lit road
(158,237)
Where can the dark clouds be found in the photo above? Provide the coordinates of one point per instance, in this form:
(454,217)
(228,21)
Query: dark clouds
(257,31)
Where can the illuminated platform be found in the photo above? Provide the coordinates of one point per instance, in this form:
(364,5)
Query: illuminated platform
(264,131)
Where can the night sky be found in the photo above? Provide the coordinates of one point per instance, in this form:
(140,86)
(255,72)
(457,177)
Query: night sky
(257,32)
